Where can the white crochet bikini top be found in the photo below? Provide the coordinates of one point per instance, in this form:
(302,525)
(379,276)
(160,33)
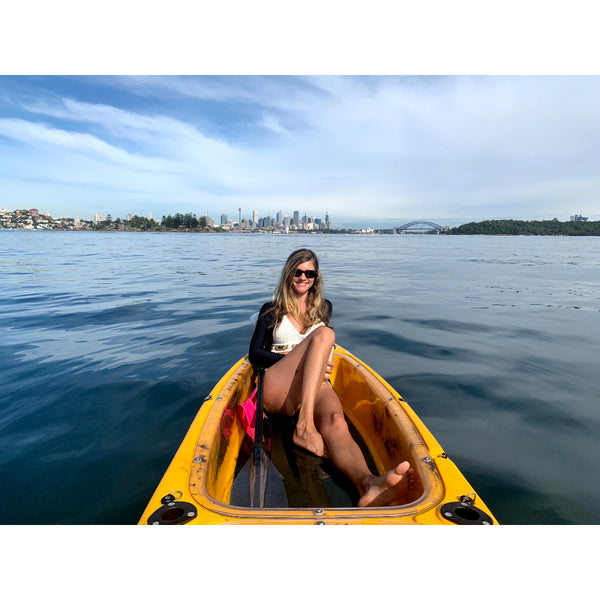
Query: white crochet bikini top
(286,336)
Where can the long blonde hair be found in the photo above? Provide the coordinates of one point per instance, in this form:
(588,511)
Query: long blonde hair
(284,300)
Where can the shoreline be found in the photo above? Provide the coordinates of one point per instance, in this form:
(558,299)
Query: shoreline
(279,234)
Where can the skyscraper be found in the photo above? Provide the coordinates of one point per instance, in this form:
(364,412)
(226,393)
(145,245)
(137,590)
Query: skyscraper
(223,219)
(296,219)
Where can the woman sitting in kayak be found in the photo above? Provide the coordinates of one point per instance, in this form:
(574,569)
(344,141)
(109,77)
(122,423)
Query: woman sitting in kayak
(293,341)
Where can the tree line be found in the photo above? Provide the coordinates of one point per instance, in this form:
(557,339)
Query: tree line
(187,221)
(513,227)
(178,221)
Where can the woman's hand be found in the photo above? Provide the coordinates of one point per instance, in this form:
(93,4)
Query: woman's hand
(329,367)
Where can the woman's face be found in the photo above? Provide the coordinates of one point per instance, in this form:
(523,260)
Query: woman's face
(301,284)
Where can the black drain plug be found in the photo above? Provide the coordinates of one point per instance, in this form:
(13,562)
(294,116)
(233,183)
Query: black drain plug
(465,513)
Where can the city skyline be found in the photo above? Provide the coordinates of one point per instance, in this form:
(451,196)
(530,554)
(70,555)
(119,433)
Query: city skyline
(281,218)
(372,149)
(224,220)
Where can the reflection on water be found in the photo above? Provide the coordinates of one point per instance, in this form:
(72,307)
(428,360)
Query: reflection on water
(110,342)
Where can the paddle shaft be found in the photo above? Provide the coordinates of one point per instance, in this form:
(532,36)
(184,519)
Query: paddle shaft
(258,478)
(259,484)
(258,426)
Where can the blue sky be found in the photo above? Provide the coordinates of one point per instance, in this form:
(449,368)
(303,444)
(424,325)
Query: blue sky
(367,149)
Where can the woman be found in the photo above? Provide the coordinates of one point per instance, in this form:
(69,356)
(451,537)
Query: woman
(293,341)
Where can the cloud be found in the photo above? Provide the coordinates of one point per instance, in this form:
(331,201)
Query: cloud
(35,134)
(151,130)
(187,159)
(271,123)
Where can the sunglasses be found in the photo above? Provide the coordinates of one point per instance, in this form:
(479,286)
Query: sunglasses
(310,274)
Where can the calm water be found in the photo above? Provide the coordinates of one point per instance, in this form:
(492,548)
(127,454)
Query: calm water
(110,342)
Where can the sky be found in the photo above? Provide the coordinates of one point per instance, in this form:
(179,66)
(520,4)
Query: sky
(191,132)
(362,148)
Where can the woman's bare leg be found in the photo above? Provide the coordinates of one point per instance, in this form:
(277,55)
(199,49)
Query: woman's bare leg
(347,457)
(343,450)
(296,380)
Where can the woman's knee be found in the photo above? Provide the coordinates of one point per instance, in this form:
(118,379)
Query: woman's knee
(326,334)
(334,424)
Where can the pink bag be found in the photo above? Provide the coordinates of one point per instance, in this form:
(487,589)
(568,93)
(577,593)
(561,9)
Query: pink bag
(247,413)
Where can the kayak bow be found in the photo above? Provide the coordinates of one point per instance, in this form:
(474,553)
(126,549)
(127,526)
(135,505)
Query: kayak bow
(197,486)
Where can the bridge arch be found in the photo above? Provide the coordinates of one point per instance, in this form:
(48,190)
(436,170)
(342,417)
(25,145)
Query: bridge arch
(419,227)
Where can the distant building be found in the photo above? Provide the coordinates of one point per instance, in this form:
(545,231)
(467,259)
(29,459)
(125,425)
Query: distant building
(223,219)
(579,218)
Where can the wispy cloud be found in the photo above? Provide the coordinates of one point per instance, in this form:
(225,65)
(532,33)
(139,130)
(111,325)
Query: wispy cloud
(42,136)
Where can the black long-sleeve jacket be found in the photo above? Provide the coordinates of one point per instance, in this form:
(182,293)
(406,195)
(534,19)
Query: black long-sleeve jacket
(260,354)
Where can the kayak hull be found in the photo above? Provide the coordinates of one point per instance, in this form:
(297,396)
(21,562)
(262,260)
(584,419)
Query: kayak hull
(196,488)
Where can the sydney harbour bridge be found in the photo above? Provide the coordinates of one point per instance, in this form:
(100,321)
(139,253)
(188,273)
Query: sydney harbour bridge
(419,227)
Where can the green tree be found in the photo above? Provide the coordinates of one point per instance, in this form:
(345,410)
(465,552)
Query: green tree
(514,227)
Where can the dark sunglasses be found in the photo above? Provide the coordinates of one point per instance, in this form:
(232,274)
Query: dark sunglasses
(309,274)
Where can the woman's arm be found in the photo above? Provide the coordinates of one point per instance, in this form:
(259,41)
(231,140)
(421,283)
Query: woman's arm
(330,312)
(263,336)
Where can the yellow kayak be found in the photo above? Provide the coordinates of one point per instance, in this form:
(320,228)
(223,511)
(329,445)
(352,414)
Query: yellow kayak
(197,487)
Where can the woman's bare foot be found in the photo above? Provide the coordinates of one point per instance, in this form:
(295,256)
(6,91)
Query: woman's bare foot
(386,489)
(310,439)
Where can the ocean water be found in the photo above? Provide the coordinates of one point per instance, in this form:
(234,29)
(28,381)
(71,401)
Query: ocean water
(110,341)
